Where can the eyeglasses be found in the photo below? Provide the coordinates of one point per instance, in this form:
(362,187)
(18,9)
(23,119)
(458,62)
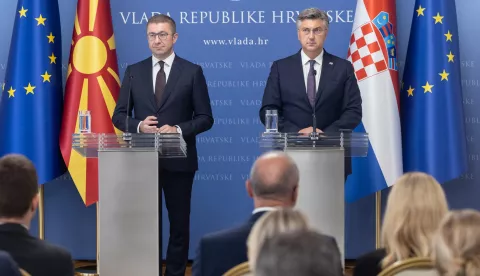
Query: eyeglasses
(161,35)
(316,31)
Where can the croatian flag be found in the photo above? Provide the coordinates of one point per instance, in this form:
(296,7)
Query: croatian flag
(373,54)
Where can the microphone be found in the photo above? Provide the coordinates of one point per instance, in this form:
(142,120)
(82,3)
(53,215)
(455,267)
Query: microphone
(126,135)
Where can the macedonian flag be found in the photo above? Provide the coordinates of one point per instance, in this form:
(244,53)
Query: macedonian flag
(92,84)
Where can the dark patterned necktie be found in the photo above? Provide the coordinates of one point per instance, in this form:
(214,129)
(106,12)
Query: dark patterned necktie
(311,89)
(160,83)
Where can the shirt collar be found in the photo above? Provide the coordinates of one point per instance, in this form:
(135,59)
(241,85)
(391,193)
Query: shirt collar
(168,61)
(306,59)
(263,209)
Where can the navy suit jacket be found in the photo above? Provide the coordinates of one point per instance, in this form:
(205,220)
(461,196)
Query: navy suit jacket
(218,252)
(185,102)
(338,101)
(35,256)
(7,265)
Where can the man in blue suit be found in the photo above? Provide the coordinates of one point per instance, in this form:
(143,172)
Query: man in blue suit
(168,94)
(313,81)
(273,183)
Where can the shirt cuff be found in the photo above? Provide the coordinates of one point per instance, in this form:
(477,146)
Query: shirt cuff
(179,130)
(138,127)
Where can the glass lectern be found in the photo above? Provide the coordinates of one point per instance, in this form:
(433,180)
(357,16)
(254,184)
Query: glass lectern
(320,158)
(129,218)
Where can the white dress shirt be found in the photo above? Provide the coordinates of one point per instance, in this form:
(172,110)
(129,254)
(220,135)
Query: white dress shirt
(263,209)
(317,67)
(167,67)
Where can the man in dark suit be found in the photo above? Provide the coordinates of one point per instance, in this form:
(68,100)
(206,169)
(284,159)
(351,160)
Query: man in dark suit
(273,183)
(168,94)
(8,265)
(313,81)
(18,204)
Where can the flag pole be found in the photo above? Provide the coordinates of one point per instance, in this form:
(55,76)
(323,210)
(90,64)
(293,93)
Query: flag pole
(41,215)
(98,240)
(378,214)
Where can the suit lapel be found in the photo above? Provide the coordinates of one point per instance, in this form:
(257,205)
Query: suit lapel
(148,79)
(171,81)
(326,75)
(298,69)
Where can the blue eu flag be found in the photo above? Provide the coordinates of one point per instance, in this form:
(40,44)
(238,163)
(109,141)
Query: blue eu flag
(32,99)
(433,130)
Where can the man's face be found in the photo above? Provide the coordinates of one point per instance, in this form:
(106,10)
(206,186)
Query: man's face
(312,34)
(161,39)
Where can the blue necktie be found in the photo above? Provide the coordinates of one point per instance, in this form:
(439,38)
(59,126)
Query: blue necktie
(311,89)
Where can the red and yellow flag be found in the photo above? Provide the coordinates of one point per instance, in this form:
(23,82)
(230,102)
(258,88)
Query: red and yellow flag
(92,84)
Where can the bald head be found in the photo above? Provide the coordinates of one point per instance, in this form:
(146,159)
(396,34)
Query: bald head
(274,176)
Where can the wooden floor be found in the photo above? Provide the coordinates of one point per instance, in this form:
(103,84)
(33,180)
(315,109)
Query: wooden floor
(88,268)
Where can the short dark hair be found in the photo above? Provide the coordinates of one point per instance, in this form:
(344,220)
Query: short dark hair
(163,18)
(18,185)
(302,253)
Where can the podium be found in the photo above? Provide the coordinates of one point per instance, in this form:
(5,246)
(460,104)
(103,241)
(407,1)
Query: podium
(321,162)
(129,220)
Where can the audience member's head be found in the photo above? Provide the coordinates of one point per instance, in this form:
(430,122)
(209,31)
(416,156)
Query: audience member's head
(18,189)
(415,207)
(457,244)
(283,220)
(299,253)
(273,180)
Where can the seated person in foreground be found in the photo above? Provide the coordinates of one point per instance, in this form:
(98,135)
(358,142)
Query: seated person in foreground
(415,207)
(273,184)
(299,253)
(18,204)
(457,244)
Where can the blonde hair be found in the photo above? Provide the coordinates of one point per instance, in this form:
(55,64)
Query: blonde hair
(415,207)
(283,220)
(457,244)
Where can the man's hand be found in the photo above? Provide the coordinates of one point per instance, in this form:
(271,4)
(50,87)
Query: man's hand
(149,125)
(309,130)
(167,129)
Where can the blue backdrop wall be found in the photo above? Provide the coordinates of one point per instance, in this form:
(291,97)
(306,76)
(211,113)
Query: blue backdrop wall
(212,34)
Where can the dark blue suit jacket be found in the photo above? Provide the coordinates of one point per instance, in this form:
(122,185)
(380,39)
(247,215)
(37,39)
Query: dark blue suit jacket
(338,100)
(185,103)
(218,252)
(7,265)
(37,257)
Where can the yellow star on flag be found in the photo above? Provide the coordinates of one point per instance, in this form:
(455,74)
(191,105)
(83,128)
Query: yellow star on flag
(46,77)
(11,92)
(448,36)
(444,75)
(51,38)
(23,12)
(3,86)
(438,18)
(410,91)
(450,57)
(53,59)
(427,88)
(420,11)
(30,89)
(40,20)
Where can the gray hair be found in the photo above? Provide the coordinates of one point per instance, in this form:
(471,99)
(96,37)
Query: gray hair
(283,180)
(312,13)
(302,253)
